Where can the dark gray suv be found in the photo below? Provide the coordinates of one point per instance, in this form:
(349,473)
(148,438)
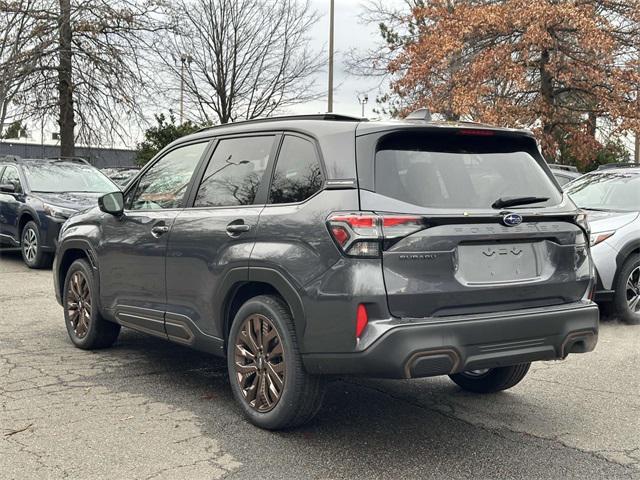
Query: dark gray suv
(310,246)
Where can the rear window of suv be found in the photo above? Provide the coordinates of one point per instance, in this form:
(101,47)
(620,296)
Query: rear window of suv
(459,170)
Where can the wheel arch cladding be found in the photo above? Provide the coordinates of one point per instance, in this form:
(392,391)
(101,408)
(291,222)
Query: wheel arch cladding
(267,283)
(25,218)
(629,250)
(68,257)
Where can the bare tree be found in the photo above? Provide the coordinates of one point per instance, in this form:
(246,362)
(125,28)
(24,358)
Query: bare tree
(245,58)
(88,71)
(19,46)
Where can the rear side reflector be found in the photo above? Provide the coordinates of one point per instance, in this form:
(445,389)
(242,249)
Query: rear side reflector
(362,319)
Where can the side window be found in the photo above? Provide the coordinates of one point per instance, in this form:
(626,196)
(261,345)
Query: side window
(298,174)
(10,176)
(166,183)
(235,171)
(562,180)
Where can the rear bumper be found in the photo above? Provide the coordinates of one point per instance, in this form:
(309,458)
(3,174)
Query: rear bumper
(420,348)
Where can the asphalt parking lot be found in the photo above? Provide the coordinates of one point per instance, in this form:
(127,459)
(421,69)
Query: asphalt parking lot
(149,409)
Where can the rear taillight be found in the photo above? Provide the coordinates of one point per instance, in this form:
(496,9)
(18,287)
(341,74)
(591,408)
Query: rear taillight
(365,234)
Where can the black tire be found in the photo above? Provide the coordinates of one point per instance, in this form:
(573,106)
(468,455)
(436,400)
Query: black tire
(31,247)
(493,380)
(96,332)
(301,395)
(629,273)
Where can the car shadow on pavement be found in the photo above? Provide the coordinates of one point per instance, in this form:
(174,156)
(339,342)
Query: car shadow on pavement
(364,430)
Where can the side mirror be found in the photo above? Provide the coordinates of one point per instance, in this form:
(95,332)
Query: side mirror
(112,203)
(8,188)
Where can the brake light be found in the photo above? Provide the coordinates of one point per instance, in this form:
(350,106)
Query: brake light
(362,234)
(362,319)
(476,132)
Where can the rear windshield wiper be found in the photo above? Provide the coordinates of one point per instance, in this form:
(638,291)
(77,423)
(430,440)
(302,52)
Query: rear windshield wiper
(504,202)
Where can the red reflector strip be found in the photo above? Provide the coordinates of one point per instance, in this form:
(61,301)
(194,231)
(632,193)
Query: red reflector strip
(476,132)
(362,319)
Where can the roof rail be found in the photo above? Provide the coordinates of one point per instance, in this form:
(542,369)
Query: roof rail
(609,166)
(317,116)
(72,159)
(566,168)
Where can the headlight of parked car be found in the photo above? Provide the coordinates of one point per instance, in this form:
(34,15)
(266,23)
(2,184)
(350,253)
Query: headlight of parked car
(58,212)
(599,237)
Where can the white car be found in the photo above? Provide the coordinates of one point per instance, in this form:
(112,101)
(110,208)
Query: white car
(611,198)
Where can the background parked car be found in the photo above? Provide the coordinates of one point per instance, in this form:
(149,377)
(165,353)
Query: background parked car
(564,174)
(611,197)
(121,175)
(36,198)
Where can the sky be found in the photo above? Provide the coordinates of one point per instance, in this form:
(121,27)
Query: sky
(349,33)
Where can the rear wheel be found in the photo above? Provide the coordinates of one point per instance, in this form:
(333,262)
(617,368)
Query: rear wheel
(31,247)
(85,326)
(490,380)
(265,367)
(626,301)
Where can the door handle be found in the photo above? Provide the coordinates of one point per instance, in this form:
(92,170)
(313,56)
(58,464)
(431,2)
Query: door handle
(159,230)
(236,228)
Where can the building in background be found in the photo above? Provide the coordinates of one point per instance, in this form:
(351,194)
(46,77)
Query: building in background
(97,156)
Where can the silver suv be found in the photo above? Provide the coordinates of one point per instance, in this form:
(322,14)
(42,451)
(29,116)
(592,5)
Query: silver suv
(611,197)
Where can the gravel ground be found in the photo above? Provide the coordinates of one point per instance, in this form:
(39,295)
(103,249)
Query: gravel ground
(149,409)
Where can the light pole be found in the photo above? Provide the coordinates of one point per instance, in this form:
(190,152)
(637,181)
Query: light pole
(363,99)
(330,101)
(184,59)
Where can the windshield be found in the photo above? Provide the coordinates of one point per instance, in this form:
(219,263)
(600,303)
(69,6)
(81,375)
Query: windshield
(454,171)
(60,177)
(619,191)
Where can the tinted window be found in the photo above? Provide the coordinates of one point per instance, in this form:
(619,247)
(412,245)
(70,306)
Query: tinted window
(297,175)
(607,191)
(165,184)
(10,176)
(235,171)
(459,171)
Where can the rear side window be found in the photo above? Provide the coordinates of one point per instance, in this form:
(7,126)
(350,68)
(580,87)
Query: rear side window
(454,170)
(235,172)
(298,174)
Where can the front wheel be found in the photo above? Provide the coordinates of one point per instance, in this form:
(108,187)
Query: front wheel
(265,367)
(85,326)
(626,300)
(31,247)
(490,380)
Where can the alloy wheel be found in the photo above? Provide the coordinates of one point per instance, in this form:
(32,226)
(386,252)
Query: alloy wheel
(79,304)
(633,291)
(30,245)
(260,363)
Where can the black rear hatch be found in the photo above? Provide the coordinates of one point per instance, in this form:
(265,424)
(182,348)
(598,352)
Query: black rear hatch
(467,253)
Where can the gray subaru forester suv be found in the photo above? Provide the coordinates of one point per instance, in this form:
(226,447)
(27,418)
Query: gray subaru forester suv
(305,247)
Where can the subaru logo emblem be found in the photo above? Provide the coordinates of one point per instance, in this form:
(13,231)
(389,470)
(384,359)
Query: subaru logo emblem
(512,220)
